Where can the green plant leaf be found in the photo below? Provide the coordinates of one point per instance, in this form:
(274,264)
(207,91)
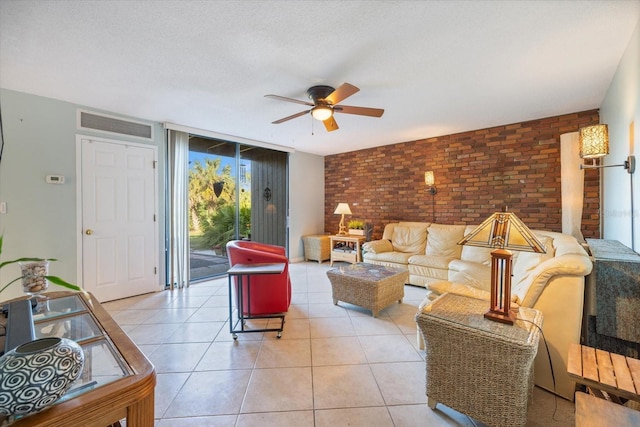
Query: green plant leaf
(58,281)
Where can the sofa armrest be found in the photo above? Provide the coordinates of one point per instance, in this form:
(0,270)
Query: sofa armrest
(529,287)
(463,290)
(377,246)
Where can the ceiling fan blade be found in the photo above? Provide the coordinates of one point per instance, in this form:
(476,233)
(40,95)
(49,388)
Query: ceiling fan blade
(283,98)
(330,124)
(301,113)
(362,111)
(343,92)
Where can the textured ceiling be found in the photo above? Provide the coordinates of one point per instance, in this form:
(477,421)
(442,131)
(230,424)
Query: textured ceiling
(436,67)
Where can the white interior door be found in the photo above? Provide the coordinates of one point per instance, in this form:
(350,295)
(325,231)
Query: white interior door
(119,232)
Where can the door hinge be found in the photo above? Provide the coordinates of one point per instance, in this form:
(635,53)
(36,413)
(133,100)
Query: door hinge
(154,163)
(154,217)
(155,270)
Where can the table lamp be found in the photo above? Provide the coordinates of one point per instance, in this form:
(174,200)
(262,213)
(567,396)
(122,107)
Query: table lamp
(503,231)
(343,208)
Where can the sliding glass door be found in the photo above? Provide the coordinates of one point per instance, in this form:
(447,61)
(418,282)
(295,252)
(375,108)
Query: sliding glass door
(235,192)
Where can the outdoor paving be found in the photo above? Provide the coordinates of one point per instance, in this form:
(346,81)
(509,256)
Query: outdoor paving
(206,264)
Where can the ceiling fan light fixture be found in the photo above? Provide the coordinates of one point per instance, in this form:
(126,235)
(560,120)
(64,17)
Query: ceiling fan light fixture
(321,112)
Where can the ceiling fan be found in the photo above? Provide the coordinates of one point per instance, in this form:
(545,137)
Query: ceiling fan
(325,103)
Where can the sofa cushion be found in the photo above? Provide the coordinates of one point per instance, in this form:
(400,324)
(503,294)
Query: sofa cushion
(393,257)
(527,261)
(431,266)
(470,273)
(431,261)
(443,240)
(377,247)
(476,254)
(443,287)
(409,239)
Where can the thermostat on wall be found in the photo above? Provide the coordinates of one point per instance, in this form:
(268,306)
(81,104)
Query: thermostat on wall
(55,179)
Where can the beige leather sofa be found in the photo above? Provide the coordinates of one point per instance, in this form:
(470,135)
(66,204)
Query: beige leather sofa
(552,283)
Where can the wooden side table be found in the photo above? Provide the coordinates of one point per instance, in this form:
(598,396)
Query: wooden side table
(476,366)
(346,248)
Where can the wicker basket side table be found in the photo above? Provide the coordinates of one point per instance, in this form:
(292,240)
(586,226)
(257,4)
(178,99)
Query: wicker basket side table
(476,366)
(317,247)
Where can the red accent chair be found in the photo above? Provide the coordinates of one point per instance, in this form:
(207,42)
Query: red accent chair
(270,293)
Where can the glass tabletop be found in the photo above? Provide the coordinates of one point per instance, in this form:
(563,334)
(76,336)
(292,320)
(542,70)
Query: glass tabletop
(69,317)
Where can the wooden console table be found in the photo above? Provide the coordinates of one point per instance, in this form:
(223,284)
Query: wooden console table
(117,380)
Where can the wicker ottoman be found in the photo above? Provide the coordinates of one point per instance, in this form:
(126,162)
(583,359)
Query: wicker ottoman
(317,247)
(367,285)
(476,366)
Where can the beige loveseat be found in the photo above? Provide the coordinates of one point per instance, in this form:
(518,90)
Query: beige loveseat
(552,283)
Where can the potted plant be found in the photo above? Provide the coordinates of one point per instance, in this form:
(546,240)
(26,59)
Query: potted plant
(356,227)
(33,267)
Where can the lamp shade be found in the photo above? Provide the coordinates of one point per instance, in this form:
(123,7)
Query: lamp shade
(594,141)
(504,230)
(343,208)
(321,112)
(429,178)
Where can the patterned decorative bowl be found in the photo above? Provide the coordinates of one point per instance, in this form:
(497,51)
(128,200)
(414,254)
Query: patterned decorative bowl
(36,374)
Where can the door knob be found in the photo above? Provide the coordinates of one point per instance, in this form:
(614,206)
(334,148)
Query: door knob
(89,232)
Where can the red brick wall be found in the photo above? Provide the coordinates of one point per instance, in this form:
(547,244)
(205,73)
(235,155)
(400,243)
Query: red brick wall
(476,173)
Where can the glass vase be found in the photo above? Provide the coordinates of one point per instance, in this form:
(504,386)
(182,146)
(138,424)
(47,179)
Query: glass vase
(34,279)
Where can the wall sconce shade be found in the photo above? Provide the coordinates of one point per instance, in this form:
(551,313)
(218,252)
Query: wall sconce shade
(342,209)
(429,180)
(594,141)
(321,112)
(503,231)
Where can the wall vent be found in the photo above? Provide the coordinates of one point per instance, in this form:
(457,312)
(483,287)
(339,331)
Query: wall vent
(100,122)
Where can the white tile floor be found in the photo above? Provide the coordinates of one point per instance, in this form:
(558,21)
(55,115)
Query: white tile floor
(334,366)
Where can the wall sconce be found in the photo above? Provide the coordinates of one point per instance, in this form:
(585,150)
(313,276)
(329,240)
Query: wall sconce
(342,209)
(429,180)
(594,143)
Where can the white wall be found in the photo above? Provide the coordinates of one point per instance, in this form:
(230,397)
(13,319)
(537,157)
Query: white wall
(39,140)
(621,111)
(306,200)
